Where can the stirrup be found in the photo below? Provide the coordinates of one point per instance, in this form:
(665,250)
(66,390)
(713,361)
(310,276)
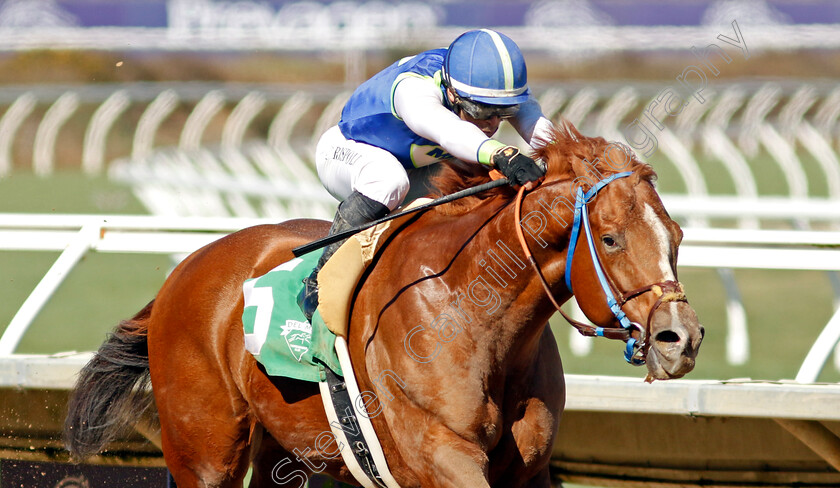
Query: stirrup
(307,299)
(355,210)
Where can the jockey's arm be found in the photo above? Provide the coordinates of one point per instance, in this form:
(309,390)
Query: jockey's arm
(419,103)
(531,124)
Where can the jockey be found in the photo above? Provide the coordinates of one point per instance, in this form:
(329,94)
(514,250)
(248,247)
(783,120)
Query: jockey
(436,105)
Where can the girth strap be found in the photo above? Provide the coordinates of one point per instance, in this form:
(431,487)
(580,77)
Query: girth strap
(349,424)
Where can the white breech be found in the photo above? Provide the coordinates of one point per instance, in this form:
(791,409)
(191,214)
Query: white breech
(345,166)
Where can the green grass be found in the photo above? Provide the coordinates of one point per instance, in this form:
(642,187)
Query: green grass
(101,290)
(65,192)
(785,309)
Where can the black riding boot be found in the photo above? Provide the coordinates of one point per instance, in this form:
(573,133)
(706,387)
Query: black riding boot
(355,210)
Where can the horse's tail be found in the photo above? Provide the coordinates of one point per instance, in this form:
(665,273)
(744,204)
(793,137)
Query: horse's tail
(112,392)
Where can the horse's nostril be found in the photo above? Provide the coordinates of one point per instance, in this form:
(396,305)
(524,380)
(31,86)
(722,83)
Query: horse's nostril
(667,336)
(702,332)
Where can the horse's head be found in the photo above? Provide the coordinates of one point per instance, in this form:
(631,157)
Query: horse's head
(635,243)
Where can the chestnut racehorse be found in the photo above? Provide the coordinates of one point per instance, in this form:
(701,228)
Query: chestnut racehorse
(448,335)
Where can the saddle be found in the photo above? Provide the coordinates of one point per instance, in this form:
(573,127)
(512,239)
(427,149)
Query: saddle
(340,275)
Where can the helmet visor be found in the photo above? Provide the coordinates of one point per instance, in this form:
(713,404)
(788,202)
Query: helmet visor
(483,111)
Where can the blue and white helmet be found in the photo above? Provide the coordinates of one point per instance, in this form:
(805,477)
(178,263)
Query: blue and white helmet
(486,66)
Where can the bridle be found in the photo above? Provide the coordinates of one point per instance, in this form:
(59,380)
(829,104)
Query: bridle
(636,336)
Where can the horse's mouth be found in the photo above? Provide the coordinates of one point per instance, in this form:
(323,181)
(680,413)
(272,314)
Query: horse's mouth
(675,339)
(666,370)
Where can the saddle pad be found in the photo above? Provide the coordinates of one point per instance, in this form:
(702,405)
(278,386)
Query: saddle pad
(276,331)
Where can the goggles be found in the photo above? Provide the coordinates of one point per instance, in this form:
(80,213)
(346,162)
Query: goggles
(482,111)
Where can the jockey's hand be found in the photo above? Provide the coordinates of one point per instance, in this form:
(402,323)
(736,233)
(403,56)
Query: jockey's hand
(517,168)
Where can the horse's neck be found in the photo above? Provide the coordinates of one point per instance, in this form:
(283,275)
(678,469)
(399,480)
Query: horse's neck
(509,303)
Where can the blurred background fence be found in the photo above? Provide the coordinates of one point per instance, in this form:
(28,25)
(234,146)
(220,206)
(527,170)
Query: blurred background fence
(754,155)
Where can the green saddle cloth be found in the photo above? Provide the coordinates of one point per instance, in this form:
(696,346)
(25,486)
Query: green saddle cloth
(276,331)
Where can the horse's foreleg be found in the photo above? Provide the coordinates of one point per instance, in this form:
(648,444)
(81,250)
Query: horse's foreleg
(534,432)
(454,461)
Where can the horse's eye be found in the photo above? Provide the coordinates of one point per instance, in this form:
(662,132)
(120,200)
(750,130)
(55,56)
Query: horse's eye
(609,241)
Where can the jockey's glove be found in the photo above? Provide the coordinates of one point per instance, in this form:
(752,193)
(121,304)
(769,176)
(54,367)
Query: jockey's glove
(517,168)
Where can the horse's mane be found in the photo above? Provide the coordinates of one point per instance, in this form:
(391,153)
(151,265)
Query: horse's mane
(563,153)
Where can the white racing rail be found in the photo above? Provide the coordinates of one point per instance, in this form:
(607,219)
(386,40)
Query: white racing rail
(76,235)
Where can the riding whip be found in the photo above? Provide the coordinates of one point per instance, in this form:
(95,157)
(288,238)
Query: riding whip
(325,241)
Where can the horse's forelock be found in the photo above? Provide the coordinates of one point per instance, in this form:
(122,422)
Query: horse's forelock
(569,154)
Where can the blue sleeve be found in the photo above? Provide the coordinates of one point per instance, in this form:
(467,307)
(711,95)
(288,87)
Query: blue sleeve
(526,119)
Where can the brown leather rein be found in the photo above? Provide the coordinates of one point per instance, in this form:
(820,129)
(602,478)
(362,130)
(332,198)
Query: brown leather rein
(636,336)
